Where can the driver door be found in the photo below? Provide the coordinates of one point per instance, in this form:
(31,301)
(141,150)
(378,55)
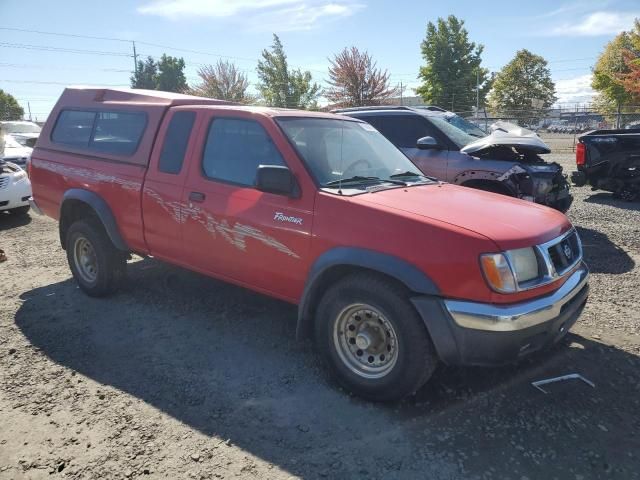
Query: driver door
(234,231)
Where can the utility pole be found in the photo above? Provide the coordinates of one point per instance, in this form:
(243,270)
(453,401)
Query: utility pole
(135,58)
(401,99)
(29,108)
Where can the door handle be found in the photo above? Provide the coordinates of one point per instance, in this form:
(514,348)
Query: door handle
(197,197)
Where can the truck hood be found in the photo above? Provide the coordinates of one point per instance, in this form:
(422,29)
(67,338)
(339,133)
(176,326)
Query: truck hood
(509,222)
(508,135)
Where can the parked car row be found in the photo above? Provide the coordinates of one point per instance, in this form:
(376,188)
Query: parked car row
(393,271)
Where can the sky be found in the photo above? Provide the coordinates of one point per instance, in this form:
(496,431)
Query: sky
(35,67)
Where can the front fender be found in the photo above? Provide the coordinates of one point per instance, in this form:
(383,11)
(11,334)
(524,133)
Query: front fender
(409,275)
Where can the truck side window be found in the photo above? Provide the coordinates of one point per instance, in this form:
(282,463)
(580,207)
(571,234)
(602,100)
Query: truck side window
(114,133)
(175,142)
(402,131)
(234,150)
(118,133)
(73,128)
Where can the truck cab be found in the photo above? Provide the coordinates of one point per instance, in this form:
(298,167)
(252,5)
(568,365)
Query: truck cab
(392,272)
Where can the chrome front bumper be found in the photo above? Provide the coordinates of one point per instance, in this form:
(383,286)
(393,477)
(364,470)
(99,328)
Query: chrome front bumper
(519,316)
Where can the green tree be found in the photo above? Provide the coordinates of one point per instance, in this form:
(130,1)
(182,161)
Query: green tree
(523,88)
(146,75)
(10,109)
(452,68)
(281,87)
(171,74)
(223,81)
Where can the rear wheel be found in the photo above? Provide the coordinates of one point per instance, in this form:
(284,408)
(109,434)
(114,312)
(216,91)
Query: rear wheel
(97,265)
(20,210)
(373,340)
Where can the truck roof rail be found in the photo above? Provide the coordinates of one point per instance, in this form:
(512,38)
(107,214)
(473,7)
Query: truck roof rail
(431,108)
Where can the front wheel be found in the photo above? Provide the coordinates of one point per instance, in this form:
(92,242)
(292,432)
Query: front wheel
(97,265)
(373,340)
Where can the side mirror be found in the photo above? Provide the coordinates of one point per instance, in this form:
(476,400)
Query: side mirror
(427,143)
(276,179)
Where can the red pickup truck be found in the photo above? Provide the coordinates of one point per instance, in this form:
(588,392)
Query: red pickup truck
(392,271)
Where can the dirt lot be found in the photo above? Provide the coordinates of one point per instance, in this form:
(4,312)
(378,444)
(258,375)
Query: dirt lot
(181,376)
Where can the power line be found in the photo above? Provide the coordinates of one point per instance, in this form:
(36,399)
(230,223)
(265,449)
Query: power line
(63,50)
(59,34)
(66,83)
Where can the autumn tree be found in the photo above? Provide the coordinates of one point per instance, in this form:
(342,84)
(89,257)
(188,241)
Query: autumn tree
(223,81)
(281,87)
(355,80)
(630,80)
(608,72)
(523,88)
(452,69)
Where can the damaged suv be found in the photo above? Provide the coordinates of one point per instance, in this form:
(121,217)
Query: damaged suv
(443,145)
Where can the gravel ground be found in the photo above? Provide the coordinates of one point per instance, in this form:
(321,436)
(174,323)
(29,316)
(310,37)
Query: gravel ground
(181,376)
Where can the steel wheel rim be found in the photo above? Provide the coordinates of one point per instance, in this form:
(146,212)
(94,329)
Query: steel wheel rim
(85,259)
(365,341)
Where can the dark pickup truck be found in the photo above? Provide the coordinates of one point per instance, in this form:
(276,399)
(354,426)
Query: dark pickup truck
(609,160)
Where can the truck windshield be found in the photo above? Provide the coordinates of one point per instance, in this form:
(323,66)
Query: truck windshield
(460,131)
(346,150)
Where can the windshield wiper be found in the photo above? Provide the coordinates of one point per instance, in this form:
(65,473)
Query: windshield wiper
(361,179)
(411,174)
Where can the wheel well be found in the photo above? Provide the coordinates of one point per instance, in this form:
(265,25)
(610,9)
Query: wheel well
(72,211)
(488,186)
(327,278)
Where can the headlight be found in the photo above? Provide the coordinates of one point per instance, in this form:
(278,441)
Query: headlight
(19,176)
(505,271)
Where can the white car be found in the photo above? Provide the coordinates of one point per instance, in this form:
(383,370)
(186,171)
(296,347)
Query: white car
(15,189)
(25,133)
(16,153)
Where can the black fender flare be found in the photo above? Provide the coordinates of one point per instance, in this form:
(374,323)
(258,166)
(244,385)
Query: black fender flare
(401,270)
(102,211)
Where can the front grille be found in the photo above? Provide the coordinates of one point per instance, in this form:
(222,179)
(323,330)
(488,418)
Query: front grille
(565,253)
(4,182)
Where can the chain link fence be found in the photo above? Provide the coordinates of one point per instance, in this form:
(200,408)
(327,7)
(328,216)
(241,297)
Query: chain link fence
(560,127)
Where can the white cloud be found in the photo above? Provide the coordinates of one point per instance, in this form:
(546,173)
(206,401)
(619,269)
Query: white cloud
(301,17)
(597,23)
(272,15)
(575,90)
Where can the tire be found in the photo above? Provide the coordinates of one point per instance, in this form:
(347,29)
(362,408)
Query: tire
(96,264)
(369,301)
(19,211)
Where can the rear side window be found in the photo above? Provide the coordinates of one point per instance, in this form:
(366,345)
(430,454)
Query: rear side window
(235,149)
(175,142)
(74,128)
(402,131)
(116,133)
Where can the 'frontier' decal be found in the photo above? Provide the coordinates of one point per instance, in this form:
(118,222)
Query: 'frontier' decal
(281,217)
